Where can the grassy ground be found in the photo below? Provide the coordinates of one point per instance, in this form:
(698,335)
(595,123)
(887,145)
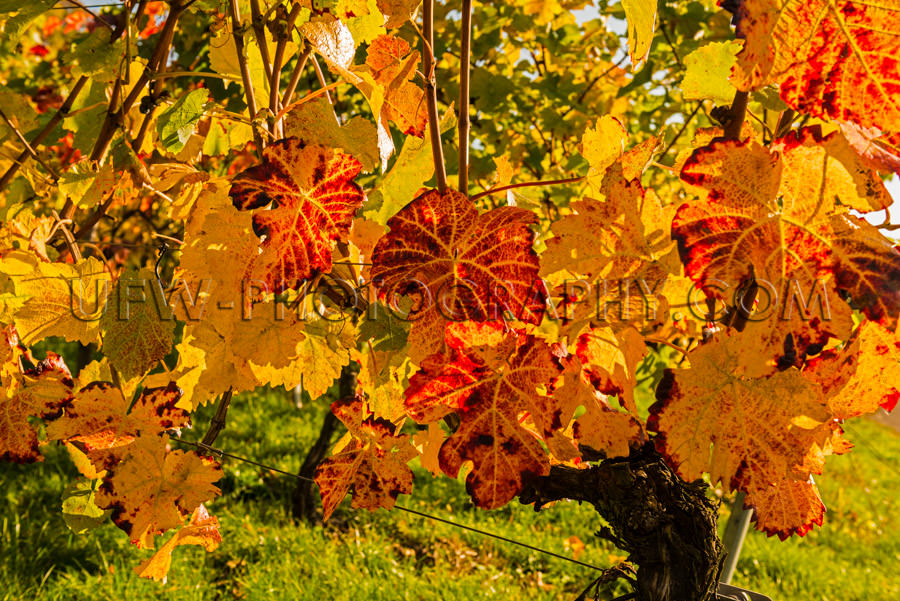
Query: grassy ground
(393,555)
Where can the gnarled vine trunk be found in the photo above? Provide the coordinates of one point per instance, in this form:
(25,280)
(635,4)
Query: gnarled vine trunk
(666,525)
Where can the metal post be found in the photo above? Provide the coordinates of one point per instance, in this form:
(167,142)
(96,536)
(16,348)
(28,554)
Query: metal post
(735,532)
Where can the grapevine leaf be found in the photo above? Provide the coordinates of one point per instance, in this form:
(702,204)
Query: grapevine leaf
(393,65)
(373,463)
(765,220)
(332,39)
(313,199)
(413,167)
(202,530)
(153,490)
(135,315)
(765,426)
(600,428)
(610,359)
(398,12)
(614,239)
(313,122)
(25,14)
(879,152)
(707,70)
(833,59)
(859,377)
(641,17)
(62,299)
(40,392)
(457,263)
(601,146)
(99,422)
(784,508)
(489,377)
(79,508)
(177,123)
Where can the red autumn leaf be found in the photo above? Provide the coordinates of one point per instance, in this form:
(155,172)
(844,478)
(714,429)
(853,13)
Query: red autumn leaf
(490,377)
(764,220)
(457,264)
(39,50)
(831,58)
(373,463)
(313,199)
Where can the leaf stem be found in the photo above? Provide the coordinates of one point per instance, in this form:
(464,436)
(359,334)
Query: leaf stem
(784,123)
(682,129)
(464,70)
(321,77)
(278,64)
(431,95)
(67,235)
(170,74)
(549,182)
(114,115)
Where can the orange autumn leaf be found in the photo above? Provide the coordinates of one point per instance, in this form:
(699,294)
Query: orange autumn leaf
(489,377)
(861,377)
(373,464)
(764,220)
(99,422)
(610,358)
(831,58)
(457,264)
(153,489)
(614,239)
(311,199)
(601,428)
(393,65)
(763,425)
(785,508)
(878,151)
(202,530)
(40,392)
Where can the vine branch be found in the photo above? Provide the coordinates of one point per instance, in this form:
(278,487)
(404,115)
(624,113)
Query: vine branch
(238,35)
(217,424)
(736,115)
(295,76)
(434,128)
(464,69)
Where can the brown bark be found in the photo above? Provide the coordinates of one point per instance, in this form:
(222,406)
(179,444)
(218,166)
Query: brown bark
(667,526)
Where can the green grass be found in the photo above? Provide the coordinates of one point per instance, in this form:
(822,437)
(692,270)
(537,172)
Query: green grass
(394,555)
